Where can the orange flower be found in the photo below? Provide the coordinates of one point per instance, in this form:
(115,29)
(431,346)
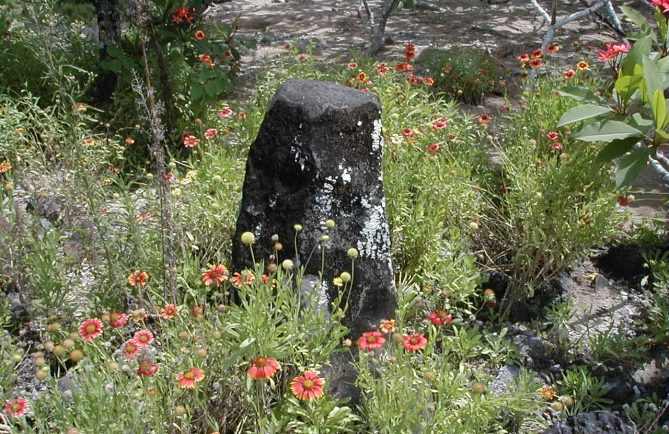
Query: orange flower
(537,54)
(370,341)
(485,119)
(5,167)
(414,342)
(169,311)
(15,407)
(553,48)
(245,278)
(189,377)
(183,15)
(428,81)
(147,368)
(362,76)
(90,329)
(548,392)
(308,386)
(388,325)
(582,65)
(216,274)
(129,141)
(199,35)
(536,63)
(118,319)
(352,65)
(143,337)
(263,367)
(138,278)
(382,69)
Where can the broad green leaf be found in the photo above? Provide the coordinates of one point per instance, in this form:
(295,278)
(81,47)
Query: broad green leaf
(663,65)
(652,79)
(631,166)
(635,16)
(639,122)
(616,149)
(581,94)
(659,107)
(639,49)
(581,112)
(626,85)
(607,131)
(196,91)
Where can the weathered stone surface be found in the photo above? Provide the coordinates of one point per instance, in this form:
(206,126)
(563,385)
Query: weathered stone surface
(596,422)
(318,156)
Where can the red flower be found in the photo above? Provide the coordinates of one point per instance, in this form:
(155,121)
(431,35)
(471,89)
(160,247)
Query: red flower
(382,69)
(263,367)
(582,65)
(90,329)
(410,51)
(189,140)
(216,274)
(206,59)
(408,133)
(147,368)
(523,58)
(537,54)
(302,58)
(388,325)
(169,178)
(352,65)
(433,148)
(5,167)
(402,67)
(536,63)
(138,278)
(612,51)
(199,35)
(169,311)
(210,133)
(242,279)
(183,15)
(556,146)
(227,54)
(308,386)
(15,407)
(414,342)
(143,338)
(553,48)
(370,341)
(131,349)
(189,377)
(570,73)
(439,317)
(428,81)
(553,136)
(118,319)
(623,200)
(485,119)
(225,112)
(439,124)
(361,76)
(287,46)
(663,5)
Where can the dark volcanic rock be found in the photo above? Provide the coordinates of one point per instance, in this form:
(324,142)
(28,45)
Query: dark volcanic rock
(622,261)
(318,156)
(596,422)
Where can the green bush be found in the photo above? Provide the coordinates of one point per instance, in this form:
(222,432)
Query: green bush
(464,74)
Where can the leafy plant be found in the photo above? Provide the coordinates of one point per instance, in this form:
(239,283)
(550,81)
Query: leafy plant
(464,74)
(587,392)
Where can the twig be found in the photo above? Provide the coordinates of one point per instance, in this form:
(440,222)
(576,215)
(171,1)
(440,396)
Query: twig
(377,35)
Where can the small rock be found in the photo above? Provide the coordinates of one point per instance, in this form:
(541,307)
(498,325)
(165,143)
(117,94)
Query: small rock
(505,378)
(596,422)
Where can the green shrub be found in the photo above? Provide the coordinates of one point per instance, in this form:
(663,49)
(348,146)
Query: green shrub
(546,207)
(464,74)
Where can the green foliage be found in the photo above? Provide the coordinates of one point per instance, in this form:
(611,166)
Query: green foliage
(587,391)
(464,74)
(635,121)
(548,205)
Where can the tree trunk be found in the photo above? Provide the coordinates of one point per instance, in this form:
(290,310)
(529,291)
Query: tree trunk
(109,33)
(377,35)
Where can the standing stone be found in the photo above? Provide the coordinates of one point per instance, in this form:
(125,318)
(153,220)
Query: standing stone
(318,156)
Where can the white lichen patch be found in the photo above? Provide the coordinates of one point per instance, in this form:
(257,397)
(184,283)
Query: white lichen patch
(296,150)
(345,174)
(374,239)
(377,138)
